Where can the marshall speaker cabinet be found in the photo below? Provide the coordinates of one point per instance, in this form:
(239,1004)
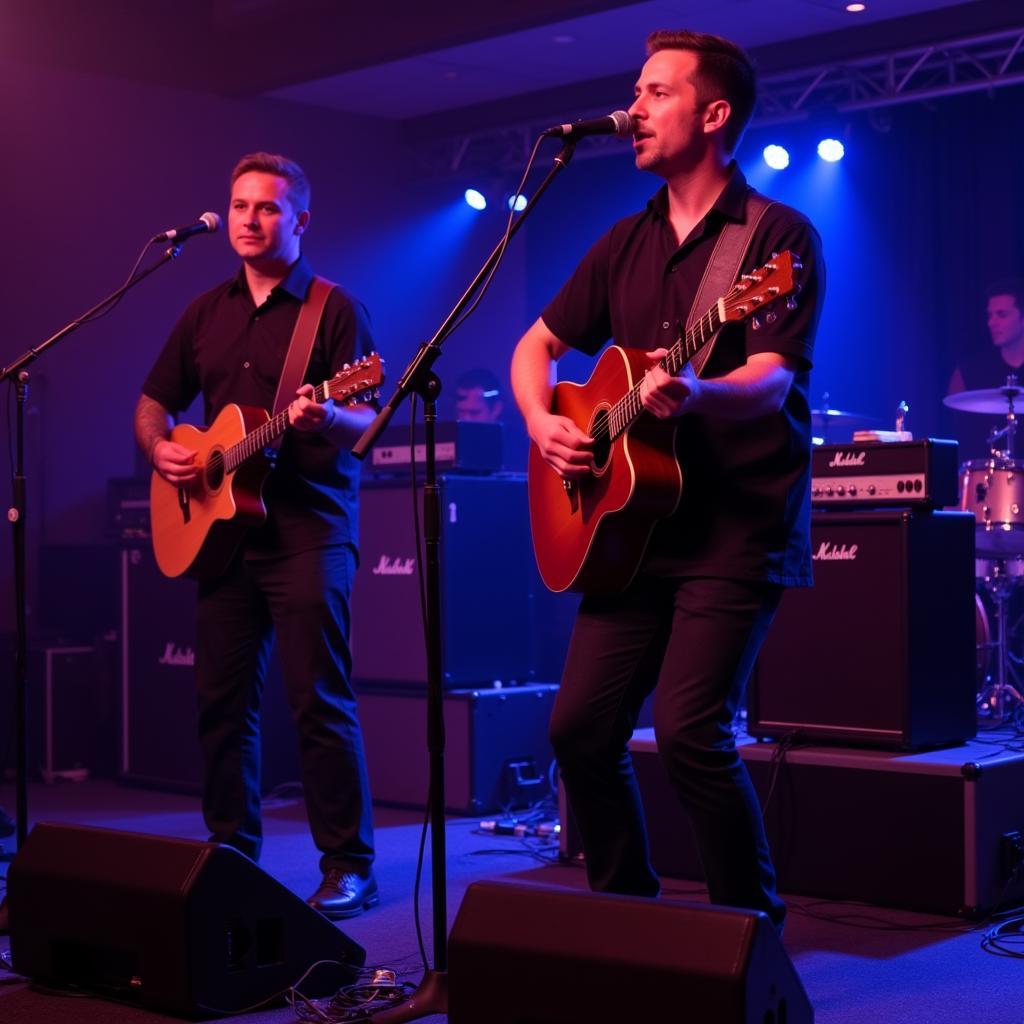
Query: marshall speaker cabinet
(881,651)
(159,746)
(487,583)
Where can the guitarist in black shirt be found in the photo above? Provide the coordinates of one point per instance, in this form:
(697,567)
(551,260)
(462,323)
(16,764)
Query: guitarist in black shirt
(291,577)
(691,621)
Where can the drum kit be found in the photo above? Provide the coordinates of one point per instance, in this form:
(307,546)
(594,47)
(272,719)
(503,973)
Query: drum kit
(993,489)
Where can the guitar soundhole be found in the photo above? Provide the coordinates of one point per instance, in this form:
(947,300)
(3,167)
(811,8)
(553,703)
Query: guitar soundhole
(602,442)
(214,471)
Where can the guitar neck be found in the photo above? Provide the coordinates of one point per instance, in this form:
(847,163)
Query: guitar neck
(628,408)
(266,434)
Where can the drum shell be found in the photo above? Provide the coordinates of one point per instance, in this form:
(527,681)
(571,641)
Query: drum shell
(993,491)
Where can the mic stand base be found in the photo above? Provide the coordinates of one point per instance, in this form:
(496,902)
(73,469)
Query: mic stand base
(430,997)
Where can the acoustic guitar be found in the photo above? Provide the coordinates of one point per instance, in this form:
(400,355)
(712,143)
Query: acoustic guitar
(196,528)
(590,534)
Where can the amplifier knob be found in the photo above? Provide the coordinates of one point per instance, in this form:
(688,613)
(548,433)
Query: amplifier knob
(828,491)
(840,490)
(871,488)
(852,490)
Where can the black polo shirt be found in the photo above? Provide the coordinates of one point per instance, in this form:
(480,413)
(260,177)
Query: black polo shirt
(227,350)
(745,510)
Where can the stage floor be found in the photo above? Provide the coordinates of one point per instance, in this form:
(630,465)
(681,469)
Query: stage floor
(858,962)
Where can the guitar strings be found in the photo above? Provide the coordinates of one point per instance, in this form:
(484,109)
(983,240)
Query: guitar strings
(629,406)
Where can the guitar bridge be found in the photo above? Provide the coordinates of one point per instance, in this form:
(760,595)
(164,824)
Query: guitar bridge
(572,492)
(185,504)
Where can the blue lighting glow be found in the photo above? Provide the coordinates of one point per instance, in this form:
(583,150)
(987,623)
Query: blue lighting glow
(517,203)
(475,199)
(776,157)
(831,150)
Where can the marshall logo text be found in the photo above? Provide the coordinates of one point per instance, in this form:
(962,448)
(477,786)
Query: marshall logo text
(835,552)
(175,655)
(394,566)
(841,459)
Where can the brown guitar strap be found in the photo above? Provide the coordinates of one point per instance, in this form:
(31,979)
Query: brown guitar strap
(301,346)
(724,268)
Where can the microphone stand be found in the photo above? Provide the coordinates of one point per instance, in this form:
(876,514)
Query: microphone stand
(17,514)
(431,995)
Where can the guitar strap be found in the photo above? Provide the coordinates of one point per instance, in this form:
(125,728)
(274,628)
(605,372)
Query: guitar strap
(724,267)
(301,346)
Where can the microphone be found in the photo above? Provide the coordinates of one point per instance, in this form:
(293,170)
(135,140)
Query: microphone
(619,123)
(208,222)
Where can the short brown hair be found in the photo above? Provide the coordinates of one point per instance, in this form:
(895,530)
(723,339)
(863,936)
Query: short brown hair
(724,72)
(1013,286)
(274,163)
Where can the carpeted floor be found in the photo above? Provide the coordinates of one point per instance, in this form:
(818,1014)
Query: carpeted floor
(858,963)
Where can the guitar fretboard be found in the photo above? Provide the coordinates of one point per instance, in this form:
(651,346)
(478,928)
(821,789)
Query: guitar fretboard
(625,411)
(265,434)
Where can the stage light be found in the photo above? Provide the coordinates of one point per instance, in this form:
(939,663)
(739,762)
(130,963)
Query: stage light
(517,203)
(831,150)
(856,8)
(475,199)
(776,157)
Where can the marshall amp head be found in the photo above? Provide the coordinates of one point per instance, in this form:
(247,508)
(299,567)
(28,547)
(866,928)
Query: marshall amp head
(885,473)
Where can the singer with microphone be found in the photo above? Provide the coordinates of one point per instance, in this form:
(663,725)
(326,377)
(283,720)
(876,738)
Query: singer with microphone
(688,625)
(292,576)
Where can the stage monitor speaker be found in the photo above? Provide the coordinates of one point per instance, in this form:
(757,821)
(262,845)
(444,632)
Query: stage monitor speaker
(881,650)
(180,926)
(528,955)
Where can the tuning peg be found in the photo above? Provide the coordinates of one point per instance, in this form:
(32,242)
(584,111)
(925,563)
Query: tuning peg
(756,323)
(775,255)
(797,265)
(791,303)
(771,316)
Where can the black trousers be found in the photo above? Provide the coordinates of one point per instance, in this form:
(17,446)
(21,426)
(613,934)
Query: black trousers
(694,642)
(304,600)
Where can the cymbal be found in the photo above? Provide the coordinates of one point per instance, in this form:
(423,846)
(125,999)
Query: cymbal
(829,418)
(989,400)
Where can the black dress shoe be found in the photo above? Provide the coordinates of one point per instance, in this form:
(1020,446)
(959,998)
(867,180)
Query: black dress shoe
(344,894)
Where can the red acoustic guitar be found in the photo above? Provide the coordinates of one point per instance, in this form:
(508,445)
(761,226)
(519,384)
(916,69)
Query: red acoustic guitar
(590,534)
(197,528)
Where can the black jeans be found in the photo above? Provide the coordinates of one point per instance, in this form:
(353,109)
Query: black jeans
(694,642)
(304,600)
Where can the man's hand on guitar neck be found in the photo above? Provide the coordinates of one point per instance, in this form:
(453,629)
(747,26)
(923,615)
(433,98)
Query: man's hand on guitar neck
(565,448)
(665,396)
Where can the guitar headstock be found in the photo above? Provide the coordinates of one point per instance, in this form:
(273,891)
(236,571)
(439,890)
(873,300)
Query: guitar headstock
(760,289)
(359,382)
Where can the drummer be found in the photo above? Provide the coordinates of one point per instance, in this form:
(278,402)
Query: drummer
(990,365)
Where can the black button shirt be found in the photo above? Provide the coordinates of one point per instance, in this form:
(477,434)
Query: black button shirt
(745,510)
(229,351)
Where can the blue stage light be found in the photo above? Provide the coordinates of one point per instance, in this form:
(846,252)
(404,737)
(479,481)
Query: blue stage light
(517,203)
(475,199)
(831,150)
(776,157)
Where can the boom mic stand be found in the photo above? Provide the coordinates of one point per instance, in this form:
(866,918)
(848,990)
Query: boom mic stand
(17,515)
(431,995)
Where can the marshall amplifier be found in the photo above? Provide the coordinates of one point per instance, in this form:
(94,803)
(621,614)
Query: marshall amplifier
(487,579)
(885,473)
(462,446)
(159,746)
(881,650)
